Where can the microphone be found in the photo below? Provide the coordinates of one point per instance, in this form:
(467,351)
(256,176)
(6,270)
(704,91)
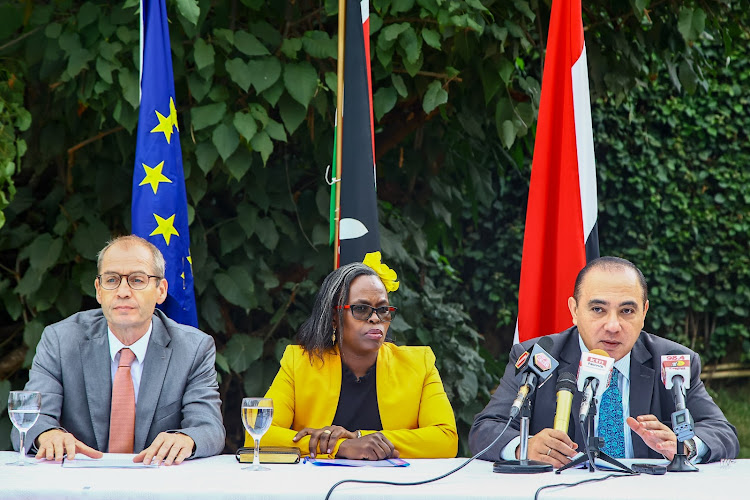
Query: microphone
(533,367)
(675,374)
(594,374)
(566,385)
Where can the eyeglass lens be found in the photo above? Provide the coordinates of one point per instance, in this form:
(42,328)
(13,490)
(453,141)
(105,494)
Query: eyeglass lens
(137,281)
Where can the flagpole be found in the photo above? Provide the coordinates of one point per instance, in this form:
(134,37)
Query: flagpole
(339,128)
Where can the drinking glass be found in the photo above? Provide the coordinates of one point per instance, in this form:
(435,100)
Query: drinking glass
(23,410)
(257,415)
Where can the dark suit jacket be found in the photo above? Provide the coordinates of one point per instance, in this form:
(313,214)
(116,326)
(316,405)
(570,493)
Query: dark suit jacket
(178,390)
(647,396)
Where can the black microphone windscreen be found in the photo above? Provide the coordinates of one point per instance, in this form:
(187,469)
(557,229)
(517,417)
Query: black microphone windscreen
(566,382)
(546,343)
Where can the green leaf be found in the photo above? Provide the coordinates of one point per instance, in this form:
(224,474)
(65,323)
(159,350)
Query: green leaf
(265,72)
(199,87)
(320,45)
(292,113)
(53,30)
(691,23)
(129,85)
(275,130)
(204,54)
(206,155)
(226,140)
(300,80)
(242,350)
(392,31)
(87,14)
(434,97)
(290,47)
(409,42)
(401,6)
(245,125)
(190,10)
(104,68)
(247,215)
(44,252)
(399,85)
(236,286)
(230,237)
(432,38)
(262,144)
(267,233)
(222,363)
(248,44)
(383,101)
(507,133)
(205,116)
(32,334)
(240,73)
(78,60)
(239,164)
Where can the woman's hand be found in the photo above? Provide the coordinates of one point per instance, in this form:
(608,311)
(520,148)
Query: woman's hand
(324,439)
(371,447)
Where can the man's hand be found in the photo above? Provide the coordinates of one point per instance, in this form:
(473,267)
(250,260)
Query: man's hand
(550,446)
(168,448)
(323,440)
(55,443)
(371,447)
(656,435)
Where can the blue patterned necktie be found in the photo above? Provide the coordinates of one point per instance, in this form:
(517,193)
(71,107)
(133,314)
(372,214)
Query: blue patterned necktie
(611,422)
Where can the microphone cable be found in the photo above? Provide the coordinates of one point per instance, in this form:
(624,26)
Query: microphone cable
(593,480)
(425,481)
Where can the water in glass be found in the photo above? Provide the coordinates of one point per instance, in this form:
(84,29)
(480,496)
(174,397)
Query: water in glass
(23,409)
(257,415)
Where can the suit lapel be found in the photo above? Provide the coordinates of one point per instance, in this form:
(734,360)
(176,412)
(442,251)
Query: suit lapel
(152,380)
(97,376)
(570,358)
(641,391)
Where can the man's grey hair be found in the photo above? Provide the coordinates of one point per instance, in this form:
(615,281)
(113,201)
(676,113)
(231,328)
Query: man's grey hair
(131,239)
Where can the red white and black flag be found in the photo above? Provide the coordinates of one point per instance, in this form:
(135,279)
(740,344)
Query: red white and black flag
(358,210)
(561,232)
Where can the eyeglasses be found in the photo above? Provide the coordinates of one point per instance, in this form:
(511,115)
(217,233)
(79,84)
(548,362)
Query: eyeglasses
(137,281)
(363,312)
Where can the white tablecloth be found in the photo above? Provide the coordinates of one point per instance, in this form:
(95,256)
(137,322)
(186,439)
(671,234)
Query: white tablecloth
(223,478)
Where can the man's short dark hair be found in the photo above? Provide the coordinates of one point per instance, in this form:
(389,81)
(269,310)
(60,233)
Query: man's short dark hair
(609,263)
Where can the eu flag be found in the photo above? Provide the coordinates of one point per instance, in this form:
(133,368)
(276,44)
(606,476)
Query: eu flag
(159,211)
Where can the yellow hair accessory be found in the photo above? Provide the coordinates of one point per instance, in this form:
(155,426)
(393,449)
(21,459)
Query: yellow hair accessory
(387,275)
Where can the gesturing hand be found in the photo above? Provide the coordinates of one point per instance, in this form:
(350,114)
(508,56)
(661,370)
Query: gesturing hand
(54,443)
(167,448)
(323,440)
(370,447)
(551,446)
(655,434)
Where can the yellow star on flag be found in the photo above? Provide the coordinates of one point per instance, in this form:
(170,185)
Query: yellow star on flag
(166,123)
(154,176)
(164,227)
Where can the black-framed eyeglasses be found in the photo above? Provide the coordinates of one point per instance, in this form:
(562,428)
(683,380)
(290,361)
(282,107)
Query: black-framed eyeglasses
(136,281)
(363,312)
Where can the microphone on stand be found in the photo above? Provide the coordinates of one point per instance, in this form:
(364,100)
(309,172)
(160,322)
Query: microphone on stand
(533,367)
(566,386)
(594,374)
(675,375)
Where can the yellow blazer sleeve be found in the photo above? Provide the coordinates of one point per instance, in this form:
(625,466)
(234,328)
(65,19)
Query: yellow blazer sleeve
(427,429)
(302,397)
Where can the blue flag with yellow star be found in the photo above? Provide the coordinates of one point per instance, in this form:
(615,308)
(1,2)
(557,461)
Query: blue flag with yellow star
(159,211)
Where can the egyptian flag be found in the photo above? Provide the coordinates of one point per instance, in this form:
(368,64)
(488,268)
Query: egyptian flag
(159,203)
(358,225)
(561,230)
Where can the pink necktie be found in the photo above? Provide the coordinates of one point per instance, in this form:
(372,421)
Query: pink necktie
(122,417)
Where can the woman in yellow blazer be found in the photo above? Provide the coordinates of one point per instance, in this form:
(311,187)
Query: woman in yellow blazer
(346,392)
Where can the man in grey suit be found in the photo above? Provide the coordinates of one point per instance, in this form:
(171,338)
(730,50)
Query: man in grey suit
(608,309)
(177,405)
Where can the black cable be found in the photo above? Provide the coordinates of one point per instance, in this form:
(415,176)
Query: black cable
(425,481)
(569,485)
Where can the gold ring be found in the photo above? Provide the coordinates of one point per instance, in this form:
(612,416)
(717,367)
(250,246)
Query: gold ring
(326,431)
(549,451)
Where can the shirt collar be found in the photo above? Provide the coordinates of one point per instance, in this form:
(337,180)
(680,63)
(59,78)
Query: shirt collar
(139,347)
(623,365)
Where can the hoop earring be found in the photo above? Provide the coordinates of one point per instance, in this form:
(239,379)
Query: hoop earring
(333,337)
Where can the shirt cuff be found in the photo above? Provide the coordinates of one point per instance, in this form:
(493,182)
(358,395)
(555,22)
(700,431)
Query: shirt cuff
(509,452)
(701,448)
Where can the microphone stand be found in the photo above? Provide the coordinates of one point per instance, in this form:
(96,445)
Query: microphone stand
(594,448)
(523,465)
(680,461)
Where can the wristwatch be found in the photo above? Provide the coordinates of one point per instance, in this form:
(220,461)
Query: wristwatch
(691,449)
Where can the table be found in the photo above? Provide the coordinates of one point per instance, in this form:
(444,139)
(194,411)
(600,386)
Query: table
(222,477)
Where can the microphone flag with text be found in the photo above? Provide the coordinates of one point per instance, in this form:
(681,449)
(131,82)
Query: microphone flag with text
(533,367)
(566,386)
(594,374)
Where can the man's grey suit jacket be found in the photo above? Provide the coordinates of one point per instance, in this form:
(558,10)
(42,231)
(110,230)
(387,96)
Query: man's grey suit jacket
(647,396)
(178,391)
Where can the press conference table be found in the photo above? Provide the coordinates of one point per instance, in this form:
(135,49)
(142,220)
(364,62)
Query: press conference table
(223,478)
